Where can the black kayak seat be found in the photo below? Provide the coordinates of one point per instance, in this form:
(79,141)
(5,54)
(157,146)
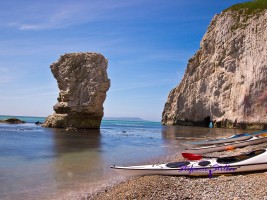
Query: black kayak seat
(233,159)
(204,163)
(177,164)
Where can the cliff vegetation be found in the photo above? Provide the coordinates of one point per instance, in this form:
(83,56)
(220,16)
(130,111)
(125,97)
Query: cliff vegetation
(251,7)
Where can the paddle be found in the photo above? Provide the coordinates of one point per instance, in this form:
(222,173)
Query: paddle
(191,156)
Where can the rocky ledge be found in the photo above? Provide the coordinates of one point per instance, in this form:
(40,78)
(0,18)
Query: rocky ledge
(83,82)
(12,121)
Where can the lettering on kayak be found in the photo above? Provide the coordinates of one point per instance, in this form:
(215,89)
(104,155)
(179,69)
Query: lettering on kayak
(210,169)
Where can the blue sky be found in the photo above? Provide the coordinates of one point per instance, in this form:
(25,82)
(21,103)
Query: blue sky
(147,43)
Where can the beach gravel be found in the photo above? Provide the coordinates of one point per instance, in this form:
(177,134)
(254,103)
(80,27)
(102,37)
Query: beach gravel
(236,187)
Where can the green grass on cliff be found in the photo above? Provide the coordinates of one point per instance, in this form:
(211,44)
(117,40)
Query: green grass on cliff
(250,7)
(244,11)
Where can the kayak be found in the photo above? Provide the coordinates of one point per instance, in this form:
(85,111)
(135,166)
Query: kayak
(240,137)
(253,161)
(233,138)
(228,146)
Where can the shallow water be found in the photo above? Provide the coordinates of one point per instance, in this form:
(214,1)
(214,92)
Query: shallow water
(38,162)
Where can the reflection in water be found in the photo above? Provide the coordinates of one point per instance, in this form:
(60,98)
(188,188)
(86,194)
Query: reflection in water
(176,135)
(72,141)
(44,163)
(79,159)
(197,133)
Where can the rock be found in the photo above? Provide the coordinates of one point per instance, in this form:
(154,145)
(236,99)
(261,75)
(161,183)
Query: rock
(226,79)
(12,121)
(72,129)
(83,83)
(38,123)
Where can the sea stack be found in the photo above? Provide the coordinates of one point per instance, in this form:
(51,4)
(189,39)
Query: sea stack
(226,80)
(83,82)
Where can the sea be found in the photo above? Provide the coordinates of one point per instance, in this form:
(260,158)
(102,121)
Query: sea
(50,163)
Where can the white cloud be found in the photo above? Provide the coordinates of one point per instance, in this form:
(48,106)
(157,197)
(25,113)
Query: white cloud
(6,76)
(33,92)
(29,27)
(39,15)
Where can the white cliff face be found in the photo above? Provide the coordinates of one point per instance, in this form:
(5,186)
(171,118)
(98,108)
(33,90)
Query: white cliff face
(227,78)
(83,83)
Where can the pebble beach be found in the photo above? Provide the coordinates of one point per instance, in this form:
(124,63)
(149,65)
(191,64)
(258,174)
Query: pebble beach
(239,186)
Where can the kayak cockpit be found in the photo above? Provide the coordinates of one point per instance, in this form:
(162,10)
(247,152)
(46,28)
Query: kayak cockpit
(177,164)
(239,158)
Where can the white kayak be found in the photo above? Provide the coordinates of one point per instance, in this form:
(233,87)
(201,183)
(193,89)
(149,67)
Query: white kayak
(233,138)
(253,161)
(218,141)
(228,146)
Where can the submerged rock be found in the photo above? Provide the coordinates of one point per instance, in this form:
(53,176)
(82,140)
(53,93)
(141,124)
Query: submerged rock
(83,83)
(226,80)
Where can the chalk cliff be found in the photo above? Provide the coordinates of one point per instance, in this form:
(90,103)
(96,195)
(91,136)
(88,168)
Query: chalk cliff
(226,80)
(83,82)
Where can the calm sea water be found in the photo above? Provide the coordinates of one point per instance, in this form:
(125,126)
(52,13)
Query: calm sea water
(47,163)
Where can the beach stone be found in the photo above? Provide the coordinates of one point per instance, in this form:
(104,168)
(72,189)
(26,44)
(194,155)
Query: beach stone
(83,82)
(248,186)
(226,79)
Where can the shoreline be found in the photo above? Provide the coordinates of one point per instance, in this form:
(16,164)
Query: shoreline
(237,186)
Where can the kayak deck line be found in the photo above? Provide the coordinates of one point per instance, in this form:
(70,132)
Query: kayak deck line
(227,146)
(252,161)
(237,137)
(161,167)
